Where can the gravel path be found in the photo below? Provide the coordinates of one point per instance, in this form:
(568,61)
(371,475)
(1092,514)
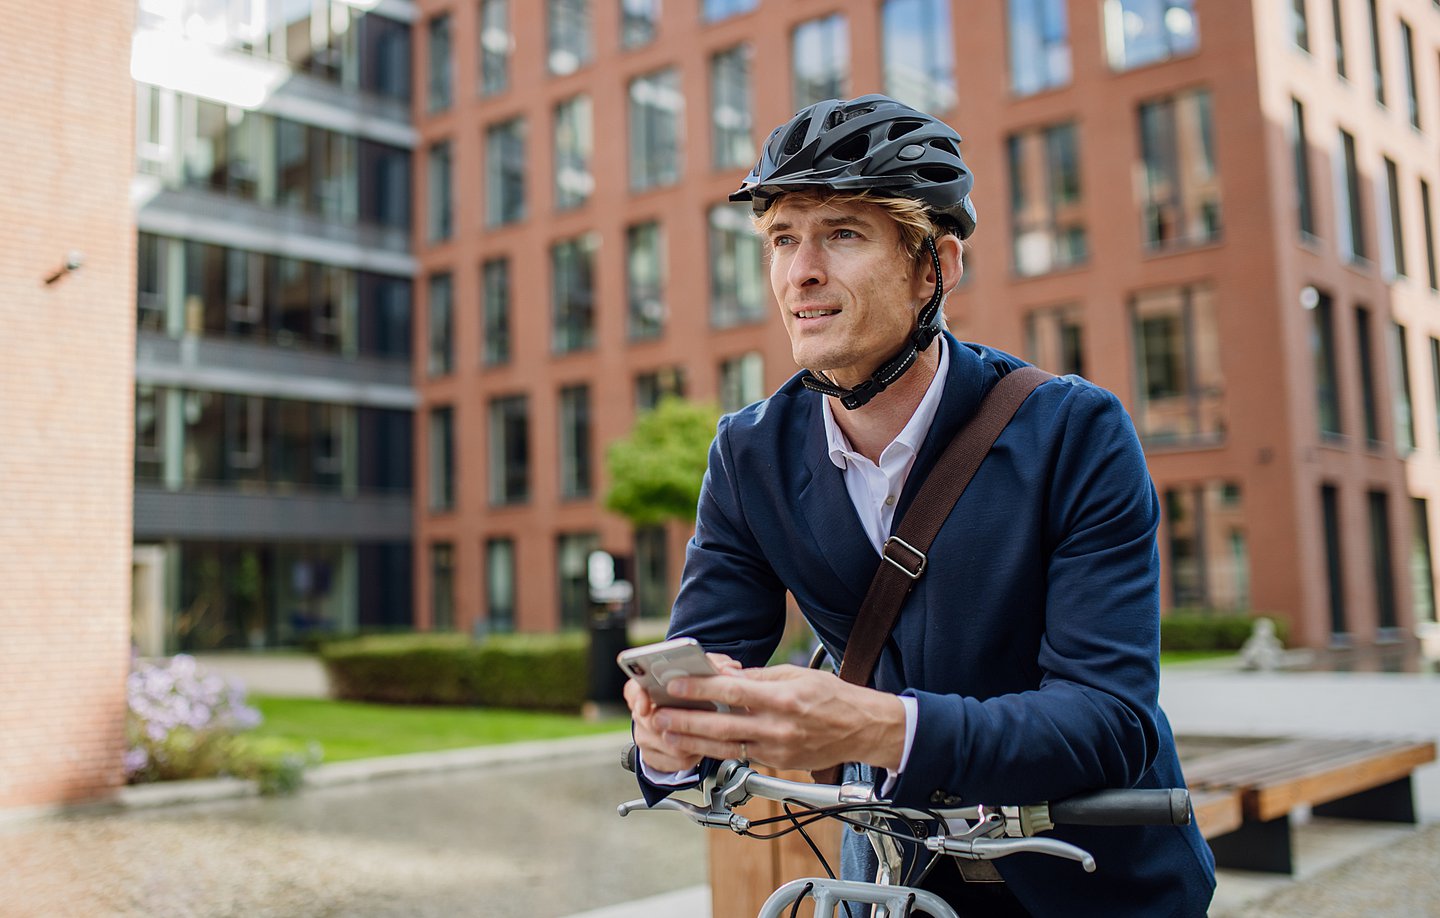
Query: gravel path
(1398,881)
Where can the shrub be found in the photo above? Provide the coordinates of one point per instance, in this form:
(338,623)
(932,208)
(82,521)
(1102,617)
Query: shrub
(1205,629)
(529,671)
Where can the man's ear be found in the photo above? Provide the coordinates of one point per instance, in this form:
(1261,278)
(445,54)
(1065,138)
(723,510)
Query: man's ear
(952,264)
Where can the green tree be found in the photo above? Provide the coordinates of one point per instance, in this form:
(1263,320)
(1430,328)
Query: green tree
(655,473)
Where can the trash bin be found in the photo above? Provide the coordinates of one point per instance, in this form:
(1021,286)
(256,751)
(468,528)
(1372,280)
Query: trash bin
(608,637)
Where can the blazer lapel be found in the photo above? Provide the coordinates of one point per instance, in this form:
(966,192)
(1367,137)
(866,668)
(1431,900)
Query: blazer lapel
(825,506)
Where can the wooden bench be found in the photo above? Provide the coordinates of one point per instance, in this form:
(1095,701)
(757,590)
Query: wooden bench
(1339,778)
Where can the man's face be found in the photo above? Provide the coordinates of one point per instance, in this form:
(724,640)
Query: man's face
(847,293)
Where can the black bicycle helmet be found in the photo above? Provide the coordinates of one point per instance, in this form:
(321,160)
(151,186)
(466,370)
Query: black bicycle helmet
(869,143)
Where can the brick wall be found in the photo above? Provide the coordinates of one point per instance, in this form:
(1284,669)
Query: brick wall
(66,397)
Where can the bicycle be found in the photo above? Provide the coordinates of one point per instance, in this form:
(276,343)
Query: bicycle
(993,832)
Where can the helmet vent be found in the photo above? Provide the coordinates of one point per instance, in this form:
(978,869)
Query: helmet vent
(941,143)
(939,175)
(901,128)
(796,138)
(852,149)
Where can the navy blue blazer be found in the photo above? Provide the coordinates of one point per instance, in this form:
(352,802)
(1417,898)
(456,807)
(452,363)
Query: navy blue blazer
(1030,644)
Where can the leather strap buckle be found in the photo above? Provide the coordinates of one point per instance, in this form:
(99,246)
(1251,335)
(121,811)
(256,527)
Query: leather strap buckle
(918,556)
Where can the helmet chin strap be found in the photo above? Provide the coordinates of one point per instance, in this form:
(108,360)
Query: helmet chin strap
(926,328)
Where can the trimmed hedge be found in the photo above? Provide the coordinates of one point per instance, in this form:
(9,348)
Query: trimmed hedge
(1200,629)
(526,671)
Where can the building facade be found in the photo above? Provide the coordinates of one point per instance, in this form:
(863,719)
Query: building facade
(1222,212)
(273,397)
(67,352)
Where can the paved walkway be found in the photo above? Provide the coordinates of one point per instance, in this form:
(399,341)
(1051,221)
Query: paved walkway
(477,835)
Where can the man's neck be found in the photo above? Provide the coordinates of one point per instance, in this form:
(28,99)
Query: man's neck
(875,425)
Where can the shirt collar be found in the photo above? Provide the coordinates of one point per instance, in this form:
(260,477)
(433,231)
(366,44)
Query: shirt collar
(909,438)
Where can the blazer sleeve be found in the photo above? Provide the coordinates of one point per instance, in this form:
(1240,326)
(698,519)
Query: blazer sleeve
(1092,720)
(730,598)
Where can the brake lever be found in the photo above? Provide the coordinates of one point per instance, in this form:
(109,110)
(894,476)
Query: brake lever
(989,849)
(697,814)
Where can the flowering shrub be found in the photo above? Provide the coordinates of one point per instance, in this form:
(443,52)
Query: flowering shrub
(183,723)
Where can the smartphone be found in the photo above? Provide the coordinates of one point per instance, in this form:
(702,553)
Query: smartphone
(654,665)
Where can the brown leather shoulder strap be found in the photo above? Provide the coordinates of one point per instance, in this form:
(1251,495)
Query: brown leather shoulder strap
(904,557)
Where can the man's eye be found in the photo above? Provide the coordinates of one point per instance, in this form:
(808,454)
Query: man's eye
(846,234)
(782,240)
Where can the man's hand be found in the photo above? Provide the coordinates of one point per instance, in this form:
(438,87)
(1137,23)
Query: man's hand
(785,716)
(656,753)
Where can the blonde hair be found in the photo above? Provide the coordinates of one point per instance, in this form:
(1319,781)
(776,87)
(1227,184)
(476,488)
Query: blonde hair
(913,218)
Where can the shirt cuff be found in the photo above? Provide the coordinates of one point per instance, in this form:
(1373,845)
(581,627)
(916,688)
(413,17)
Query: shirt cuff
(667,778)
(912,714)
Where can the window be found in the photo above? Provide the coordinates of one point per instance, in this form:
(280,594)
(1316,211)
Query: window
(742,381)
(1054,340)
(1407,65)
(1349,220)
(570,42)
(1205,540)
(1334,560)
(1400,386)
(1339,33)
(442,348)
(1381,564)
(505,173)
(736,275)
(1177,353)
(1300,151)
(1140,32)
(572,294)
(150,409)
(919,53)
(1366,355)
(572,566)
(1428,217)
(384,180)
(820,60)
(509,450)
(638,21)
(440,220)
(1299,26)
(496,45)
(652,387)
(731,120)
(495,306)
(574,143)
(1181,190)
(500,584)
(645,281)
(1039,45)
(384,57)
(438,94)
(1422,568)
(152,282)
(711,10)
(1045,200)
(652,579)
(1435,377)
(442,586)
(442,459)
(1377,64)
(1322,352)
(575,441)
(1392,248)
(656,112)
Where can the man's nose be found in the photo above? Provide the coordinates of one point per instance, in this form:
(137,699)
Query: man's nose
(807,267)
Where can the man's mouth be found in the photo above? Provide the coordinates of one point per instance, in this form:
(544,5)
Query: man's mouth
(815,313)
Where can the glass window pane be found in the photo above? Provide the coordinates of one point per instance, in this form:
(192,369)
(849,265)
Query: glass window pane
(638,22)
(1047,216)
(731,118)
(495,291)
(656,114)
(442,459)
(1039,45)
(500,584)
(509,450)
(505,173)
(919,53)
(1140,32)
(572,283)
(1177,354)
(820,59)
(440,198)
(574,144)
(645,281)
(570,41)
(1181,193)
(575,442)
(441,315)
(736,271)
(497,43)
(438,95)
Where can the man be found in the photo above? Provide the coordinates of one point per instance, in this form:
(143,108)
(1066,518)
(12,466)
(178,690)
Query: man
(1024,663)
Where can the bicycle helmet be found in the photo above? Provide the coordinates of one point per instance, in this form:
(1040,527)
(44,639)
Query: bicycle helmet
(869,143)
(872,143)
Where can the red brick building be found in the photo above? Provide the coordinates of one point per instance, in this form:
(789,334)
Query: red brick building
(67,354)
(1220,211)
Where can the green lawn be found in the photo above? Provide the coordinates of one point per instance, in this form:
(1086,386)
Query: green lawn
(349,730)
(1192,656)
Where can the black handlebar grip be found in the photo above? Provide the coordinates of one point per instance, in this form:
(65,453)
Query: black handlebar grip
(1125,807)
(627,757)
